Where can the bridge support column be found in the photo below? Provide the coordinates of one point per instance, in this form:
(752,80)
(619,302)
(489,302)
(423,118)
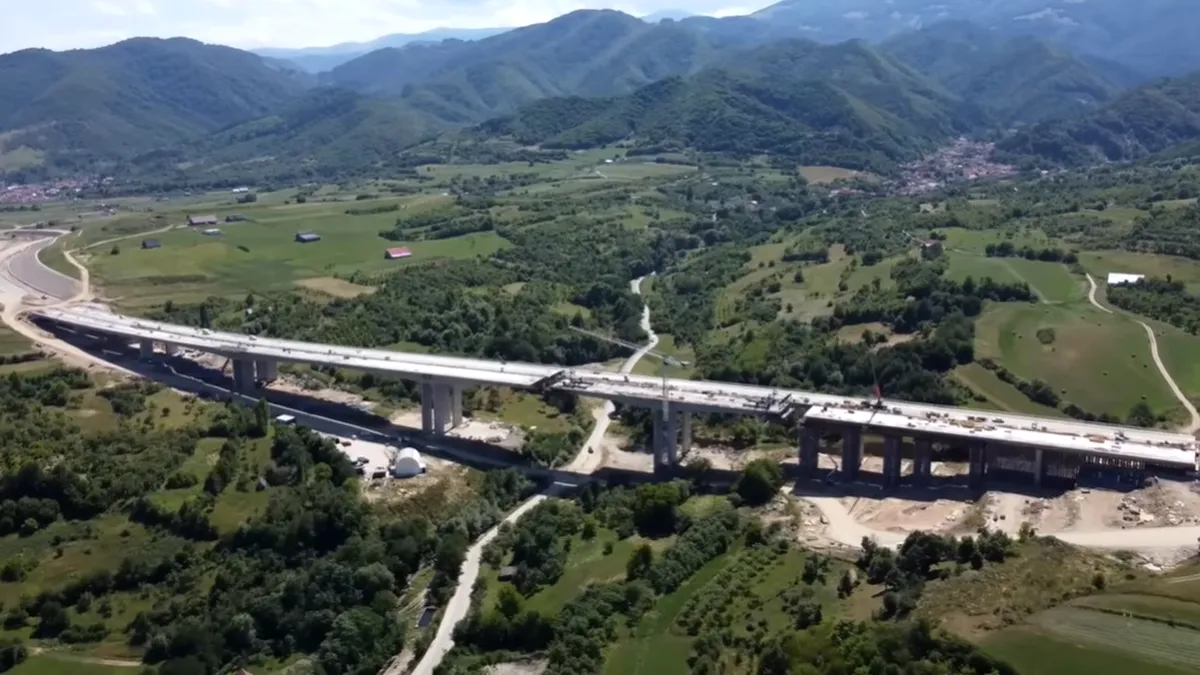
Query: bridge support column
(685,432)
(922,461)
(441,409)
(810,451)
(146,349)
(456,404)
(978,454)
(891,461)
(851,452)
(1039,467)
(427,408)
(171,349)
(666,433)
(243,376)
(267,369)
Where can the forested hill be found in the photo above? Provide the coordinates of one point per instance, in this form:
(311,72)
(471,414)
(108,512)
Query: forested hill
(78,106)
(1019,80)
(845,105)
(322,130)
(586,53)
(1147,120)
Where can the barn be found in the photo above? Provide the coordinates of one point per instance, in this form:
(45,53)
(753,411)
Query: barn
(397,253)
(307,237)
(151,243)
(408,463)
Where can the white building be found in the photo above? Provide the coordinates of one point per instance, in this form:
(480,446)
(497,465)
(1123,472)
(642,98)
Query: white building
(1118,279)
(408,463)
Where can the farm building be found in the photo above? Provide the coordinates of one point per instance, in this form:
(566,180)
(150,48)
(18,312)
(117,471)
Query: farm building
(408,463)
(307,237)
(397,253)
(235,218)
(211,232)
(1118,279)
(194,221)
(151,243)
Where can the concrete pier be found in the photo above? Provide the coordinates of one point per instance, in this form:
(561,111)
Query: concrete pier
(146,349)
(664,444)
(685,432)
(243,376)
(978,457)
(171,349)
(851,452)
(1039,467)
(891,461)
(427,407)
(922,461)
(267,370)
(456,405)
(442,417)
(810,451)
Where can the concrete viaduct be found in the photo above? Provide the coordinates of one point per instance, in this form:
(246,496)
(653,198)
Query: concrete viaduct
(991,441)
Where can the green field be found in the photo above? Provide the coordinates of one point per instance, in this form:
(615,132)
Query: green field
(1101,362)
(1051,281)
(54,664)
(262,255)
(1002,395)
(1032,651)
(1102,263)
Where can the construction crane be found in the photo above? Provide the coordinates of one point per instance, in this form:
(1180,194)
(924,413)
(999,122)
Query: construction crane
(666,360)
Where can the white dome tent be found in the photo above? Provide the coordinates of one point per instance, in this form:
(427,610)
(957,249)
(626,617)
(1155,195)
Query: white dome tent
(408,463)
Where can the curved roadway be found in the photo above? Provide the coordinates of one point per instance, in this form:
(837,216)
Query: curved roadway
(1162,368)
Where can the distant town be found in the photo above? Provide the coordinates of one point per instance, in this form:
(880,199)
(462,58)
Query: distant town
(962,160)
(40,193)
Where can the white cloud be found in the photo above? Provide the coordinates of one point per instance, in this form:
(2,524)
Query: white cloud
(67,24)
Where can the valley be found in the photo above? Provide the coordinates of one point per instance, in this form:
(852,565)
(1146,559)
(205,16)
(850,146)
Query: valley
(577,276)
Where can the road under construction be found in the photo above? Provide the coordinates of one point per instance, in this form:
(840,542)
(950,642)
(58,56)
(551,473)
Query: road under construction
(991,442)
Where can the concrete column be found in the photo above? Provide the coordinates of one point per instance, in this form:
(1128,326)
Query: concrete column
(267,369)
(456,404)
(243,376)
(891,461)
(146,349)
(978,453)
(441,408)
(810,451)
(170,349)
(685,432)
(665,436)
(851,452)
(922,461)
(427,407)
(1039,466)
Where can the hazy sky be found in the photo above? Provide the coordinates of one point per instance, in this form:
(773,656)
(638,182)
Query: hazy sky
(67,24)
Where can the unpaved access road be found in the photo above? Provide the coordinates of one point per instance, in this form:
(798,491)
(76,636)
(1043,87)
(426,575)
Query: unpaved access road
(588,460)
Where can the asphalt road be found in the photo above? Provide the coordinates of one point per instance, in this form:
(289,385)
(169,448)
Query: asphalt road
(27,269)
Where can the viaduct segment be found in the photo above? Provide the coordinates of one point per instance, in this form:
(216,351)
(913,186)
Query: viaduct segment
(993,443)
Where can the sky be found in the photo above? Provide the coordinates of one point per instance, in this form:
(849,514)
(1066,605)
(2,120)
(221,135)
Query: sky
(250,24)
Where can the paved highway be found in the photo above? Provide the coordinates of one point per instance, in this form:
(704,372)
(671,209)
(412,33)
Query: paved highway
(696,394)
(26,268)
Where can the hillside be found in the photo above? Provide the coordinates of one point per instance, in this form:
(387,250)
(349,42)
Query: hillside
(1019,80)
(325,132)
(845,105)
(75,107)
(584,53)
(1147,120)
(1155,38)
(320,59)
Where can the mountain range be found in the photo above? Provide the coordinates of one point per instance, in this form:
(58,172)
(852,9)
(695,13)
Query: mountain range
(1153,37)
(741,84)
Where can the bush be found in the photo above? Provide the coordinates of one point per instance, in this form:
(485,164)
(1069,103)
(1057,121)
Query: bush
(760,482)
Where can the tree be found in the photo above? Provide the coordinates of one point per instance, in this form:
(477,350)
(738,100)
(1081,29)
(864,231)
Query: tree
(52,620)
(262,418)
(640,562)
(845,585)
(509,602)
(115,250)
(760,482)
(12,653)
(1141,415)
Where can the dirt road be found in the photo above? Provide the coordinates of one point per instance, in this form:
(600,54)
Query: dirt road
(1162,368)
(584,462)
